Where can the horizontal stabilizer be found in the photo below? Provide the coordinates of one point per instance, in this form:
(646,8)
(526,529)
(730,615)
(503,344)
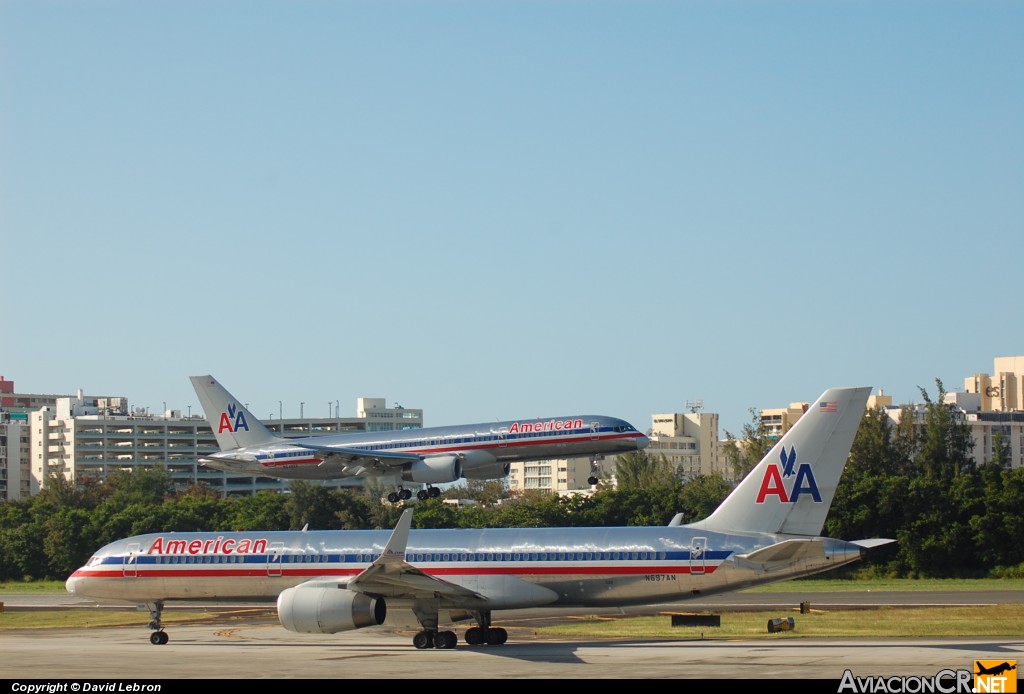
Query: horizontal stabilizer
(787,552)
(220,461)
(872,543)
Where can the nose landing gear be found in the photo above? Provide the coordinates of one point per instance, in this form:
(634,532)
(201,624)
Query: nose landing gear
(159,636)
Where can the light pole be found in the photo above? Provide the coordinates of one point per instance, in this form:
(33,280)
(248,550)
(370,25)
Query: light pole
(165,409)
(302,409)
(279,415)
(336,409)
(190,412)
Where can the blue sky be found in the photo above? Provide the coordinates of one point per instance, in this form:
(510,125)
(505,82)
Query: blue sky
(493,210)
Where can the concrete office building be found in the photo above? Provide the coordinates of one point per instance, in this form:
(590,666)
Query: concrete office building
(689,441)
(560,475)
(778,420)
(16,478)
(993,407)
(1003,391)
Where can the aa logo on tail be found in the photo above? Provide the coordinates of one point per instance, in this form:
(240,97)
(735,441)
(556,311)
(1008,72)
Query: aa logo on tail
(233,420)
(786,469)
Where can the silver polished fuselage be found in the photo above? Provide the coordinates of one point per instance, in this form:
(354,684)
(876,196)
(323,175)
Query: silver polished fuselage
(592,567)
(476,445)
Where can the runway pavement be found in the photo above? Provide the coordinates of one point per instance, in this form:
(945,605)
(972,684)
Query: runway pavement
(266,651)
(262,649)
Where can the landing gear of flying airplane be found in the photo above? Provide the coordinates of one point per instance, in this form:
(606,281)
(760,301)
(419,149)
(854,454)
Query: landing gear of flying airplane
(435,639)
(400,495)
(595,470)
(159,636)
(428,493)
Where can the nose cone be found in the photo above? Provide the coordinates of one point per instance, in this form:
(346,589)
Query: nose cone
(71,584)
(642,442)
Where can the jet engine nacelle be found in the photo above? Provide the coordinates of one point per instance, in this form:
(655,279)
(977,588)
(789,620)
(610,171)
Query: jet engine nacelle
(481,465)
(324,608)
(437,469)
(487,472)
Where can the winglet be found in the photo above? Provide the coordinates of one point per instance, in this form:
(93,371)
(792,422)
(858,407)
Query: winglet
(394,550)
(872,542)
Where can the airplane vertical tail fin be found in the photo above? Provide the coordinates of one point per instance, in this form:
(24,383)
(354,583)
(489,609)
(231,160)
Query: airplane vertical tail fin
(232,424)
(791,489)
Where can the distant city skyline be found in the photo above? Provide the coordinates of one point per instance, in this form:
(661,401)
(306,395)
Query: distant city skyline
(335,409)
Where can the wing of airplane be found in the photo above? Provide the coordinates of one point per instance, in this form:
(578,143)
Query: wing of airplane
(354,461)
(330,605)
(392,576)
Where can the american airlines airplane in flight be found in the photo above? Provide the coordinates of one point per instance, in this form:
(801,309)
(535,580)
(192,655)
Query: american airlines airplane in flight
(767,529)
(430,456)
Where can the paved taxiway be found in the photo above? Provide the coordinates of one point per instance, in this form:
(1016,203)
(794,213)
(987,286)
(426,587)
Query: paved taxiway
(262,649)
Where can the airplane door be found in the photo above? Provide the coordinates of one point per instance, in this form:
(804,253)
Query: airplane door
(130,569)
(698,552)
(502,441)
(274,559)
(595,430)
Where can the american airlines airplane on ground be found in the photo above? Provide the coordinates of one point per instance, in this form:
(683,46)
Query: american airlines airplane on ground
(430,456)
(767,529)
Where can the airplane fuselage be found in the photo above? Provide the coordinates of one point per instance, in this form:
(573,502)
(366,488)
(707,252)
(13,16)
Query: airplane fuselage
(592,567)
(477,446)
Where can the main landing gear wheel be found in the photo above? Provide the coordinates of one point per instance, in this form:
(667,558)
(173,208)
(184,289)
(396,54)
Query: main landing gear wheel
(428,493)
(400,495)
(492,636)
(592,481)
(441,640)
(445,640)
(158,638)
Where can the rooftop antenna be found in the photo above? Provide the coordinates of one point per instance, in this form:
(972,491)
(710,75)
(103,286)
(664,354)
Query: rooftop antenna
(695,405)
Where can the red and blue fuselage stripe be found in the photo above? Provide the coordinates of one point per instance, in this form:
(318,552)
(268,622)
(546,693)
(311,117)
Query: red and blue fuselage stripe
(457,564)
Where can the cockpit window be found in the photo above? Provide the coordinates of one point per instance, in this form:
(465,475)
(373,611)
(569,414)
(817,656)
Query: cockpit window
(94,560)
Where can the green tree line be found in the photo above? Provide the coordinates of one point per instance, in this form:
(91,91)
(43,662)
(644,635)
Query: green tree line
(916,483)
